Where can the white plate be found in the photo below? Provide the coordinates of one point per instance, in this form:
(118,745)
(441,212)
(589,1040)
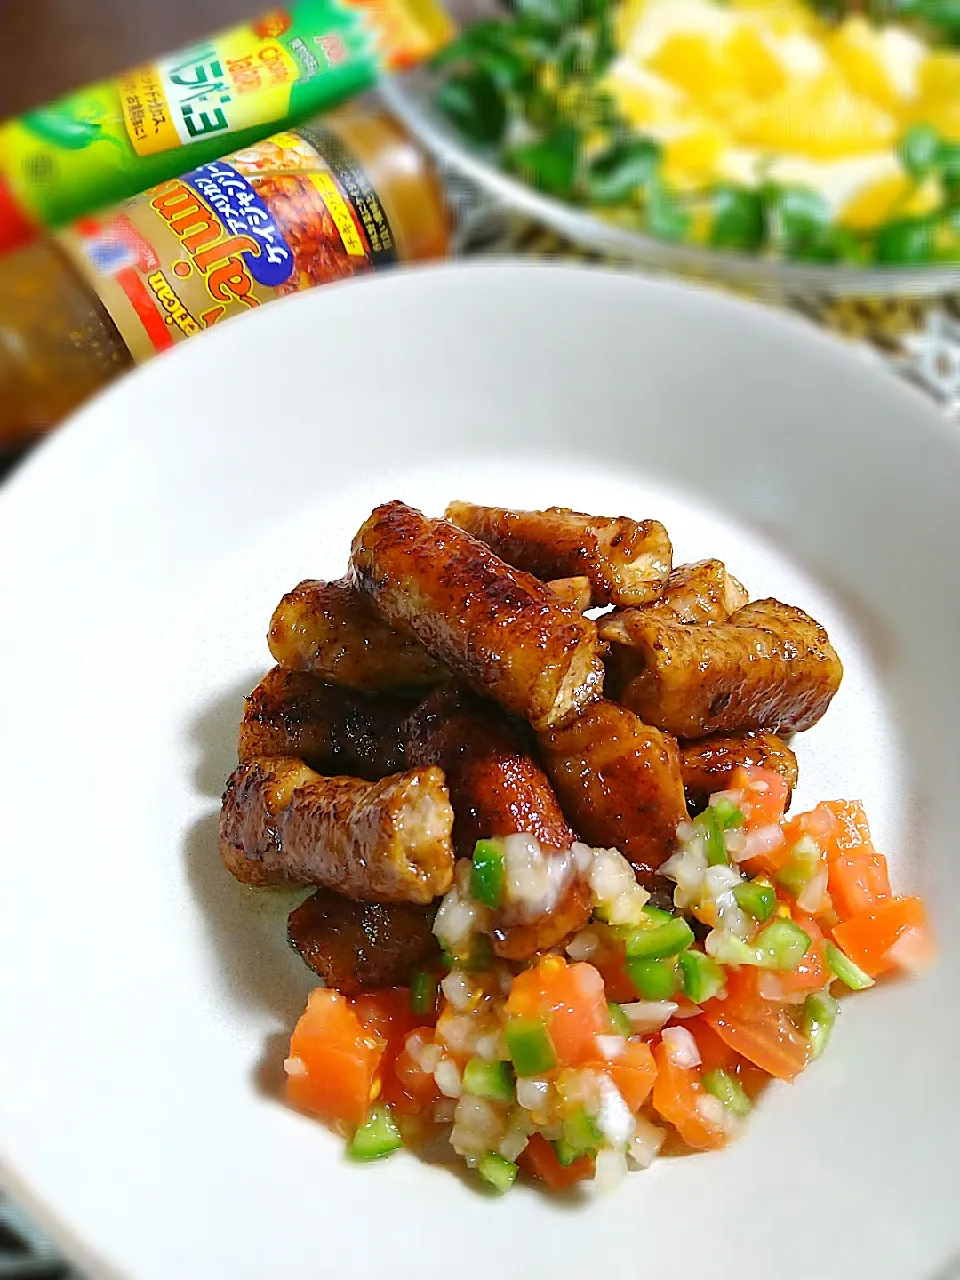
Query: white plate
(146,996)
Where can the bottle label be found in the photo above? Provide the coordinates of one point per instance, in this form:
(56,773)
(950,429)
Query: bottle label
(111,140)
(287,214)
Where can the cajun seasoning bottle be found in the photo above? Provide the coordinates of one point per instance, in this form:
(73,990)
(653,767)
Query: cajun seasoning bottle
(336,198)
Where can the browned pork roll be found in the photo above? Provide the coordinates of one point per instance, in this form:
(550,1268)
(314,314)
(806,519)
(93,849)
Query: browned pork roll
(390,841)
(291,713)
(336,633)
(769,666)
(497,789)
(702,592)
(626,561)
(707,764)
(619,783)
(574,592)
(362,946)
(502,632)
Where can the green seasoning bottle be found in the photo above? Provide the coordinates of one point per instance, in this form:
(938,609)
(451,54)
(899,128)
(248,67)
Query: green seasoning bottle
(333,198)
(116,138)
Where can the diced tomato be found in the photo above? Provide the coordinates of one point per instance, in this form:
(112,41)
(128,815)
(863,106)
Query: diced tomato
(857,875)
(335,1059)
(760,1030)
(612,966)
(868,936)
(763,796)
(634,1073)
(388,1015)
(811,973)
(715,1054)
(539,1160)
(571,1000)
(677,1093)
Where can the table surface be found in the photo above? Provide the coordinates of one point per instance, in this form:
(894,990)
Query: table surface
(50,46)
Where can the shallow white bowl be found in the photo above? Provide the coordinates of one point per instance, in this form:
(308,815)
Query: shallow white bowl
(146,996)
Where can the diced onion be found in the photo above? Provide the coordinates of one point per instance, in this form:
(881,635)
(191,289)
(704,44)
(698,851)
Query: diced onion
(610,1171)
(294,1066)
(681,1047)
(646,1143)
(611,1047)
(646,1016)
(447,1076)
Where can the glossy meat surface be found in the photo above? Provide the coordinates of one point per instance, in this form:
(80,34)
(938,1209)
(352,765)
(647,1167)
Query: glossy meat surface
(619,783)
(769,666)
(336,633)
(626,561)
(496,789)
(707,764)
(702,592)
(334,730)
(500,631)
(281,823)
(574,592)
(362,946)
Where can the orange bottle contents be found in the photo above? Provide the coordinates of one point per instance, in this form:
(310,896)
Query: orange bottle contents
(329,200)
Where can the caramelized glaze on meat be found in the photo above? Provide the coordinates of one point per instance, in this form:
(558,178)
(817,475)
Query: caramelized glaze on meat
(496,789)
(574,592)
(362,946)
(769,666)
(502,632)
(702,592)
(390,841)
(626,561)
(334,730)
(707,764)
(619,783)
(336,633)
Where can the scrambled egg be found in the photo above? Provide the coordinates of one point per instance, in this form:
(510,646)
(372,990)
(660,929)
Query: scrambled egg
(756,89)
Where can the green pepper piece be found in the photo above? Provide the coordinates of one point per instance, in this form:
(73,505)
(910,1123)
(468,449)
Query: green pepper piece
(619,1020)
(758,900)
(842,967)
(702,976)
(708,824)
(581,1135)
(377,1136)
(530,1046)
(661,941)
(492,1080)
(657,915)
(819,1014)
(729,1090)
(500,1173)
(487,875)
(653,979)
(727,815)
(802,865)
(782,945)
(480,958)
(424,991)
